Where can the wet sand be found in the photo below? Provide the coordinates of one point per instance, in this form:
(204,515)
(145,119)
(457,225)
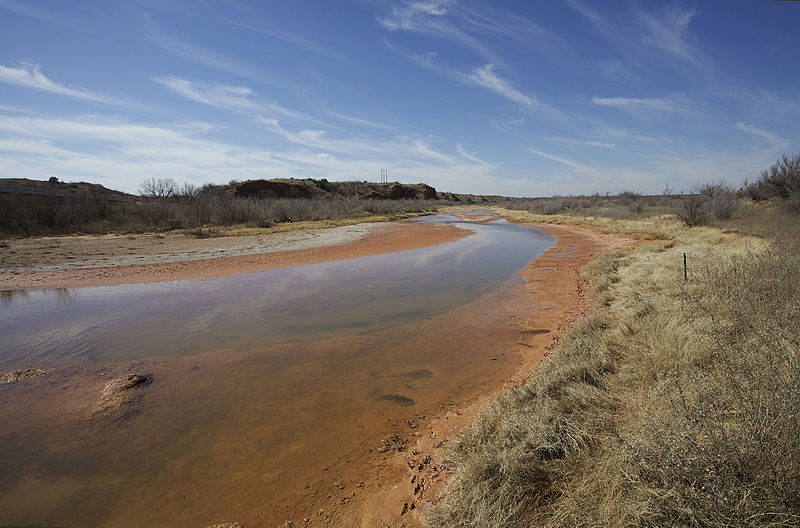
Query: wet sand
(176,257)
(372,462)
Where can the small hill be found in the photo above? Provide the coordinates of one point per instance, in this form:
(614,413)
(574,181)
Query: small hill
(24,186)
(310,188)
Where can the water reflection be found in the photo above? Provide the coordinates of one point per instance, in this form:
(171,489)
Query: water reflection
(61,295)
(270,307)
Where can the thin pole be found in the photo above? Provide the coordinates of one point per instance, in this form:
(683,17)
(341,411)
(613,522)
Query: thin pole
(685,277)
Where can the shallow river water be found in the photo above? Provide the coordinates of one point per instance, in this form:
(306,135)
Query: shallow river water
(259,384)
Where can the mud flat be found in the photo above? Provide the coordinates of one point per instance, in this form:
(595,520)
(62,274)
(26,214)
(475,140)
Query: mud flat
(327,432)
(63,262)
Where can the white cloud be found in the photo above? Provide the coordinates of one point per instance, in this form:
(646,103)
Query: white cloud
(665,29)
(430,18)
(631,103)
(668,30)
(31,76)
(120,154)
(468,24)
(485,76)
(471,157)
(579,167)
(221,95)
(583,142)
(774,140)
(626,134)
(46,15)
(292,38)
(234,98)
(161,38)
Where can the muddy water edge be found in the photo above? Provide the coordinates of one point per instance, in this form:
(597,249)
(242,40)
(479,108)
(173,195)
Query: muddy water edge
(297,429)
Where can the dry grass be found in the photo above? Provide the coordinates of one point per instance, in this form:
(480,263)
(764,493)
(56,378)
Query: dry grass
(245,230)
(675,404)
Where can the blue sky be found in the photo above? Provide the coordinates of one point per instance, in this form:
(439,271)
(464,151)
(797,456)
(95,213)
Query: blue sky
(516,98)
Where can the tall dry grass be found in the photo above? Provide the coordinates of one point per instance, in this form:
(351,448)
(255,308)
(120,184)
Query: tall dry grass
(675,404)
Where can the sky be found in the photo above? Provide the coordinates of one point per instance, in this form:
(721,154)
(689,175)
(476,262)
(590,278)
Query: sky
(559,97)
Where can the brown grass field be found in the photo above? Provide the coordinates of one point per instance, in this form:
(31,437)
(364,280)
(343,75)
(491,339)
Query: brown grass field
(675,404)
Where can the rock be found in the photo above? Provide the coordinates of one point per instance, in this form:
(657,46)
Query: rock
(16,375)
(428,192)
(270,189)
(400,192)
(225,525)
(118,391)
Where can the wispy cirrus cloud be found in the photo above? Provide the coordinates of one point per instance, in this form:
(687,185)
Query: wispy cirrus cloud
(775,141)
(633,103)
(665,28)
(486,77)
(470,156)
(159,36)
(483,77)
(577,166)
(31,76)
(219,95)
(46,15)
(234,98)
(467,25)
(435,19)
(583,142)
(292,38)
(668,30)
(407,147)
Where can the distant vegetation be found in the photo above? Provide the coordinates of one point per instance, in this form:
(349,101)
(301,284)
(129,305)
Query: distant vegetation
(32,207)
(37,207)
(676,402)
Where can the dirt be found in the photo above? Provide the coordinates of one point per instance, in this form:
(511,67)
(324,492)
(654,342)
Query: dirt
(64,262)
(118,391)
(17,375)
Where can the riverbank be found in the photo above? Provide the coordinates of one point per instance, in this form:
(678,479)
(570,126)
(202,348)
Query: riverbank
(674,404)
(77,261)
(552,295)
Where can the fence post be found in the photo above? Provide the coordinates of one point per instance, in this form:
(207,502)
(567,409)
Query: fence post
(685,277)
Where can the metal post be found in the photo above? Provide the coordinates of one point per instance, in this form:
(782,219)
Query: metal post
(685,277)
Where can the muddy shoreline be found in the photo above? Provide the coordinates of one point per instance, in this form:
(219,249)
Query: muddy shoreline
(67,262)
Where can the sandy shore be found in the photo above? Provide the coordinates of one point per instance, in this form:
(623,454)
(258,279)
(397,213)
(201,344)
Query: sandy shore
(65,262)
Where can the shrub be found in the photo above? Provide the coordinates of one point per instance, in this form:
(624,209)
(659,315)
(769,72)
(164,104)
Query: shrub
(781,180)
(692,210)
(723,205)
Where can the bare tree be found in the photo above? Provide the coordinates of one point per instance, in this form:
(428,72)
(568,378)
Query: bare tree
(161,188)
(189,190)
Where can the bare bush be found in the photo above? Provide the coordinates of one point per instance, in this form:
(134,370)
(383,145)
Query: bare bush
(723,205)
(692,210)
(782,179)
(712,189)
